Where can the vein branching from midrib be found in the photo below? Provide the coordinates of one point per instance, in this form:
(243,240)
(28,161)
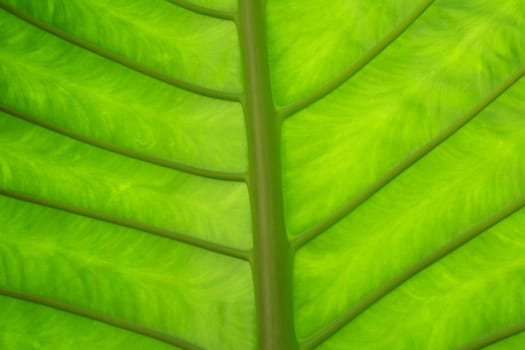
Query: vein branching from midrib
(357,66)
(496,337)
(405,164)
(86,313)
(180,237)
(215,175)
(369,300)
(122,60)
(205,11)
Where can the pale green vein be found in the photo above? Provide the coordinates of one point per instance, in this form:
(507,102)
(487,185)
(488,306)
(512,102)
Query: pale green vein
(205,11)
(421,265)
(86,313)
(216,175)
(495,337)
(355,67)
(122,60)
(210,246)
(354,203)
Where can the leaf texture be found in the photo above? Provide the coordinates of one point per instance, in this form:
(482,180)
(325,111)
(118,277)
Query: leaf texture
(279,174)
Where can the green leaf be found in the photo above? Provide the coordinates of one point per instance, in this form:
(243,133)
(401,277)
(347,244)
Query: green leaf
(279,174)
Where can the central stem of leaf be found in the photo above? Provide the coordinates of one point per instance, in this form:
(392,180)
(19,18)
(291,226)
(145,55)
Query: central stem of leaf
(272,260)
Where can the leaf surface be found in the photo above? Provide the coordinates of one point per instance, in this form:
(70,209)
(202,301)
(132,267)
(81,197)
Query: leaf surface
(276,174)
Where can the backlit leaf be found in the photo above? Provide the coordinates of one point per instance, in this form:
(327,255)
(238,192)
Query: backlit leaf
(279,174)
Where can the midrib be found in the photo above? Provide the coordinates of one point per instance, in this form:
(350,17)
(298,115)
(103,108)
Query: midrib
(272,258)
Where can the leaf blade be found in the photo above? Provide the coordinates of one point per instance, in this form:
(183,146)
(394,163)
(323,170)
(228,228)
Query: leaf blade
(125,274)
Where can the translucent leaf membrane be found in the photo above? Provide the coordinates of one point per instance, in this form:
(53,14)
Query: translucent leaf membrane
(199,296)
(46,165)
(25,325)
(476,174)
(474,291)
(311,42)
(53,81)
(427,82)
(154,33)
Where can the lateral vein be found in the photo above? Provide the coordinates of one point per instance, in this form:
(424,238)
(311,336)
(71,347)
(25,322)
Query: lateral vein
(123,61)
(215,175)
(183,238)
(97,316)
(496,337)
(205,11)
(406,163)
(355,67)
(369,300)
